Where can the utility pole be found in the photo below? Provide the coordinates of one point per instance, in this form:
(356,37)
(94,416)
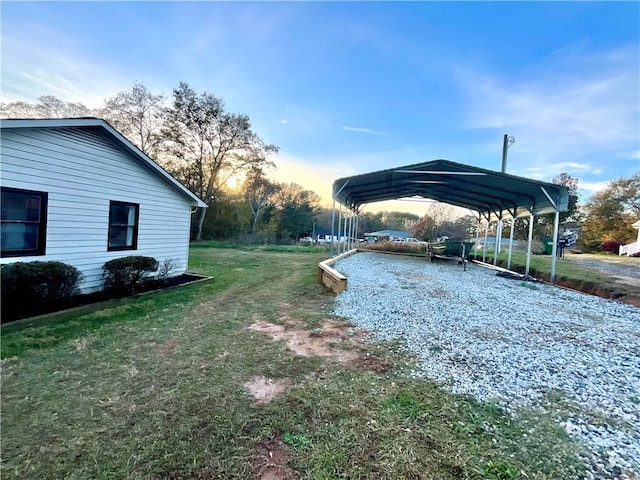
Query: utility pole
(507,141)
(505,146)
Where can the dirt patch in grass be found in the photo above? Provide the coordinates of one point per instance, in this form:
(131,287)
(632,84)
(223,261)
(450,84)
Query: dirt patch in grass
(270,458)
(167,346)
(333,340)
(372,363)
(263,390)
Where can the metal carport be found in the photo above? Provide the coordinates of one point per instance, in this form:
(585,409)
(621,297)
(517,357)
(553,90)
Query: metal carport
(493,195)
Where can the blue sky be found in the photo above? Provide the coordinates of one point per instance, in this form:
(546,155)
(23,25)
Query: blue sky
(346,88)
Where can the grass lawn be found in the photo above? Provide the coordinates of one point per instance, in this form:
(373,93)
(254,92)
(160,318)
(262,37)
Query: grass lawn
(152,388)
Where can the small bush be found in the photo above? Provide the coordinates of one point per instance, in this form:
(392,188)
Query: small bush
(164,270)
(126,275)
(611,246)
(30,288)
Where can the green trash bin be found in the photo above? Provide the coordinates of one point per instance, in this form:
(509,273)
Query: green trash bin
(547,245)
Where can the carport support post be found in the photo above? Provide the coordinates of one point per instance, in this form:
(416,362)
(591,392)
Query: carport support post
(554,250)
(337,239)
(344,236)
(529,239)
(486,237)
(495,247)
(357,224)
(333,224)
(513,222)
(475,250)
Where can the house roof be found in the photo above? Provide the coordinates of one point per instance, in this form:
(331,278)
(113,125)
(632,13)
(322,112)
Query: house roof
(492,194)
(116,137)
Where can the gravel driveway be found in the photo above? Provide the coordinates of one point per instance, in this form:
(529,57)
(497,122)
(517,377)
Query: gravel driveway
(511,342)
(623,268)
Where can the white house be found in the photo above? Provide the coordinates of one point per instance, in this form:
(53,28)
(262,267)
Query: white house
(77,191)
(632,248)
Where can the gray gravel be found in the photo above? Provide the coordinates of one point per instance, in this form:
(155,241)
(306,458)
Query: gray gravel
(511,342)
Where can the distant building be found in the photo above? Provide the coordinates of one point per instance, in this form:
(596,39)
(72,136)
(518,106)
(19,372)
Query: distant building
(387,235)
(632,249)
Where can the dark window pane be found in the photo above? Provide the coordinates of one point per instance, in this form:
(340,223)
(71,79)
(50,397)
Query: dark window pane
(119,237)
(20,206)
(33,208)
(118,214)
(123,214)
(19,236)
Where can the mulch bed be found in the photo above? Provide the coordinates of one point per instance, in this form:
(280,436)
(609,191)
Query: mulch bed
(97,297)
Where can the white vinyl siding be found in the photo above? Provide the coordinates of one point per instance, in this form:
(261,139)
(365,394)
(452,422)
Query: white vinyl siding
(82,171)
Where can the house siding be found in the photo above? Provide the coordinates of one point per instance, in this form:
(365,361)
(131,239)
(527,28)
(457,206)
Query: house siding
(82,170)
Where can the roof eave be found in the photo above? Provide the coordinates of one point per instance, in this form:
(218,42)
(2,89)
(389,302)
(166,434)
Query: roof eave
(115,135)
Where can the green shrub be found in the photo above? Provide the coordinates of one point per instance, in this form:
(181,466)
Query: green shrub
(30,288)
(126,275)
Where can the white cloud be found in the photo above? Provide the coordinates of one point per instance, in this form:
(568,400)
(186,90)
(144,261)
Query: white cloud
(573,166)
(593,187)
(575,105)
(284,121)
(30,70)
(363,130)
(317,175)
(632,155)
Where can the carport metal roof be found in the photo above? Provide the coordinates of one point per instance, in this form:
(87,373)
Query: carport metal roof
(494,195)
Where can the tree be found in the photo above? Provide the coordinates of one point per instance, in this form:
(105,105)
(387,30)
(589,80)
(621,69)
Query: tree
(460,228)
(231,217)
(370,222)
(571,183)
(610,213)
(429,226)
(545,223)
(19,109)
(258,193)
(48,106)
(297,210)
(399,220)
(138,114)
(209,144)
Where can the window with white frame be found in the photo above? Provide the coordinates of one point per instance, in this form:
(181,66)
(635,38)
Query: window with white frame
(123,225)
(24,222)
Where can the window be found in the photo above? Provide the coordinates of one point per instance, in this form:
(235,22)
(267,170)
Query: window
(24,222)
(123,226)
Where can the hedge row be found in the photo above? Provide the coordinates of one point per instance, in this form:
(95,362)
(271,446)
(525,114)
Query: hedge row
(31,288)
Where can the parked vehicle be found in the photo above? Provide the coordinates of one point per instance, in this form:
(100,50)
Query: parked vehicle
(415,241)
(450,248)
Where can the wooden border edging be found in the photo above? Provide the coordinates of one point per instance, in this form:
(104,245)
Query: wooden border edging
(332,279)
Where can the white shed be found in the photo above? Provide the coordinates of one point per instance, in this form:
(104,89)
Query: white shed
(77,191)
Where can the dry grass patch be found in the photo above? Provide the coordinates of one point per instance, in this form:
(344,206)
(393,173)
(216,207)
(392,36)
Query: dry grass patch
(332,340)
(263,390)
(270,459)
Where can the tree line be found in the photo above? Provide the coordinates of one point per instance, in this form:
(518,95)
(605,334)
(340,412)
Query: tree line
(203,145)
(196,139)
